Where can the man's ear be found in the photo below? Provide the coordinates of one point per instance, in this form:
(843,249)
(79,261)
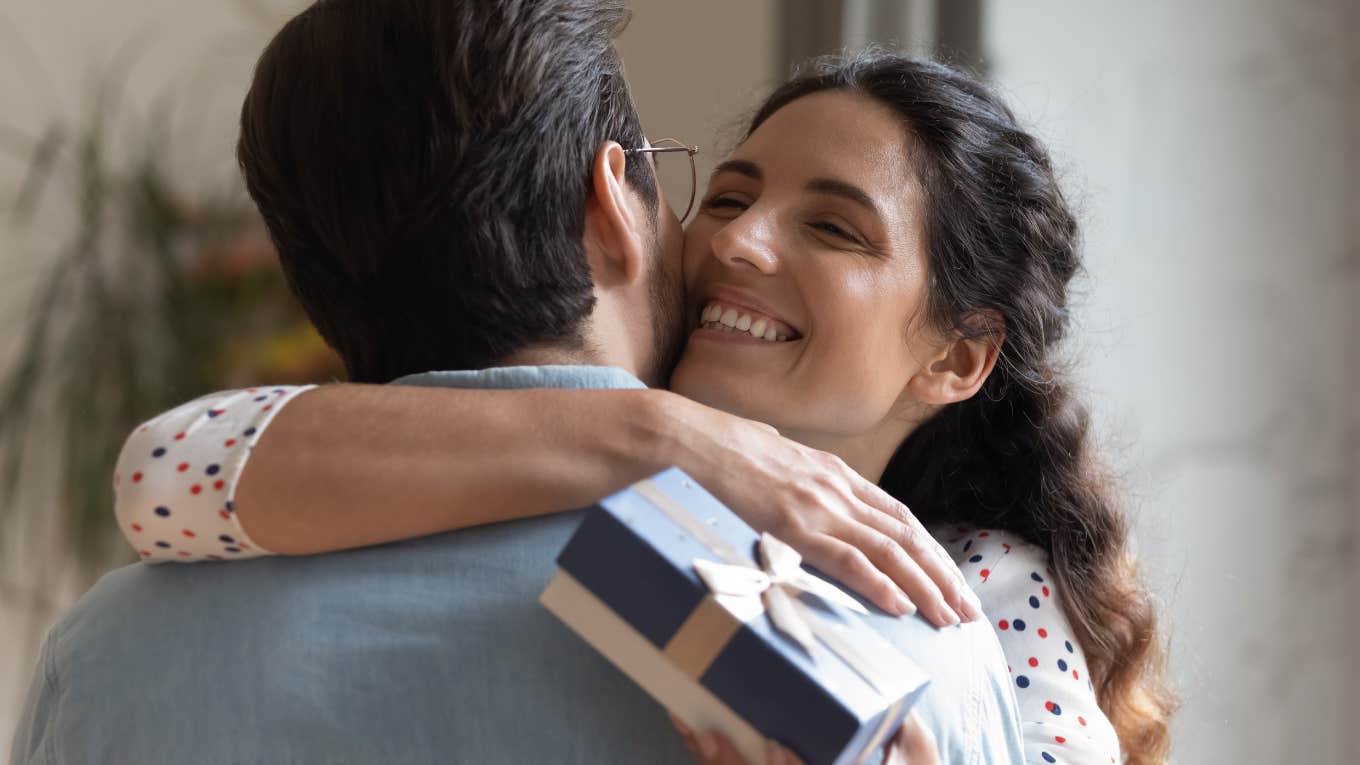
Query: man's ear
(959,367)
(615,234)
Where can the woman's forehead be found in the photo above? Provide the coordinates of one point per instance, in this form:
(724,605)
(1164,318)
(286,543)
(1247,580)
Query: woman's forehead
(832,133)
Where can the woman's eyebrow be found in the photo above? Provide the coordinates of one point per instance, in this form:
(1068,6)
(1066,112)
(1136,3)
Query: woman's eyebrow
(740,167)
(846,190)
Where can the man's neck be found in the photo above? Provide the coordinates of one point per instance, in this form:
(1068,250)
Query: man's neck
(560,356)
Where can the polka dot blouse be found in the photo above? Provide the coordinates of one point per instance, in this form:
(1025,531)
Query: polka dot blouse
(176,478)
(1061,720)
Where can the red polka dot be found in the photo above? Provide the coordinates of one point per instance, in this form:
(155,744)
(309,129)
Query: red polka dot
(1008,547)
(226,516)
(1033,662)
(146,553)
(136,527)
(266,407)
(219,484)
(1081,720)
(243,545)
(195,489)
(184,553)
(1045,591)
(230,442)
(984,534)
(986,572)
(1075,676)
(1003,624)
(1043,633)
(183,466)
(1048,705)
(179,436)
(188,533)
(1060,739)
(136,477)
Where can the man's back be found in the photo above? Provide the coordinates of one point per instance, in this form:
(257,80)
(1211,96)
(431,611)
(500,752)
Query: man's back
(434,650)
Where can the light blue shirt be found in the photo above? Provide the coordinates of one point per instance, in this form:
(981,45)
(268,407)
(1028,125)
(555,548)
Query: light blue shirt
(429,651)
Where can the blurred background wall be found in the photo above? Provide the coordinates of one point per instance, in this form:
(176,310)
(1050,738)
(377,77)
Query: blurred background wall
(1210,147)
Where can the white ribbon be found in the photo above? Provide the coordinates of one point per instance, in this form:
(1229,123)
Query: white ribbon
(774,585)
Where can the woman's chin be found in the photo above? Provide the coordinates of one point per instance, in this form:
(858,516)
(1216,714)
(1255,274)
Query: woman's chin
(724,390)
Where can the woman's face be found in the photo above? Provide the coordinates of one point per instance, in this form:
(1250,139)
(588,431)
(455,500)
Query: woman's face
(811,235)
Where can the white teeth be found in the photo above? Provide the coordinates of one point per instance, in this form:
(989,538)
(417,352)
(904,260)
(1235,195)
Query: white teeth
(717,317)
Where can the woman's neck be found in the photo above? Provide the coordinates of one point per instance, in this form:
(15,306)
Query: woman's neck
(867,453)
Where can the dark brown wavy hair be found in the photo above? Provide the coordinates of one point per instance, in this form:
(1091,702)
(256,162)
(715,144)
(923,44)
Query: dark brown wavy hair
(1018,455)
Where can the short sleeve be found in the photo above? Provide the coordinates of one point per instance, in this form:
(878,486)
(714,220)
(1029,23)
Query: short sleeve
(176,477)
(1061,720)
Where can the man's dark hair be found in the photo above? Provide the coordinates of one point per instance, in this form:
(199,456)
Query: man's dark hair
(423,167)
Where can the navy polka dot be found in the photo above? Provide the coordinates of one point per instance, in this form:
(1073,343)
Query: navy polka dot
(1054,708)
(1062,665)
(229,506)
(212,469)
(260,398)
(1019,625)
(249,432)
(163,544)
(1035,576)
(1047,757)
(232,549)
(159,451)
(1068,643)
(975,559)
(968,545)
(163,512)
(1022,681)
(1033,602)
(226,538)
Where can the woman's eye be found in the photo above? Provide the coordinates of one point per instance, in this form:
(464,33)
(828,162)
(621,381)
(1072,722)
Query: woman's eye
(725,203)
(834,230)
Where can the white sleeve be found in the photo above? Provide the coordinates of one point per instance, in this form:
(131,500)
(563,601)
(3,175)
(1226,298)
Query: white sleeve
(176,476)
(1062,722)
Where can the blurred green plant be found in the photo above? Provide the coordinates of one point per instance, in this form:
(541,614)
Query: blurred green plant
(160,293)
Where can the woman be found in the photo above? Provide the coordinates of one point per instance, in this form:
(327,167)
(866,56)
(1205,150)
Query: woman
(880,271)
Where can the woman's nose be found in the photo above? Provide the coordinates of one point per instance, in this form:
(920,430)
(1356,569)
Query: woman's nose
(747,244)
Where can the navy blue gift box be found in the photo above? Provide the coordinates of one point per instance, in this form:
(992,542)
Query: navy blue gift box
(725,629)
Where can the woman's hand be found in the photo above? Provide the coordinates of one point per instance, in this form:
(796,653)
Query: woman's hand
(839,522)
(913,745)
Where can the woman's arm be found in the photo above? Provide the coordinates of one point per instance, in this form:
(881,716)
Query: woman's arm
(352,465)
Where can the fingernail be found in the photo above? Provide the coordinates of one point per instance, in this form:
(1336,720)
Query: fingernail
(946,617)
(774,753)
(708,745)
(904,606)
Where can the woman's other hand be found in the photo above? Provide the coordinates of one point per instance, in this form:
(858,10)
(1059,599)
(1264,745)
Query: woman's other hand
(840,522)
(714,748)
(914,744)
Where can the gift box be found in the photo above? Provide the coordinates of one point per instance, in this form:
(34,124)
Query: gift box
(725,628)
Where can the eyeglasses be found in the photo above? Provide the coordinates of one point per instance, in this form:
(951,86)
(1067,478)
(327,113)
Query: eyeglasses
(671,175)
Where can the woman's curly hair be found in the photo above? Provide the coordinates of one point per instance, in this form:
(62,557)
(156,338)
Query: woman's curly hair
(1003,241)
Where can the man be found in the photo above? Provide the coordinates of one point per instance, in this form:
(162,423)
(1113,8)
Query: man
(449,188)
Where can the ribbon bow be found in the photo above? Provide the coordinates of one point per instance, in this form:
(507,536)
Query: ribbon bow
(780,572)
